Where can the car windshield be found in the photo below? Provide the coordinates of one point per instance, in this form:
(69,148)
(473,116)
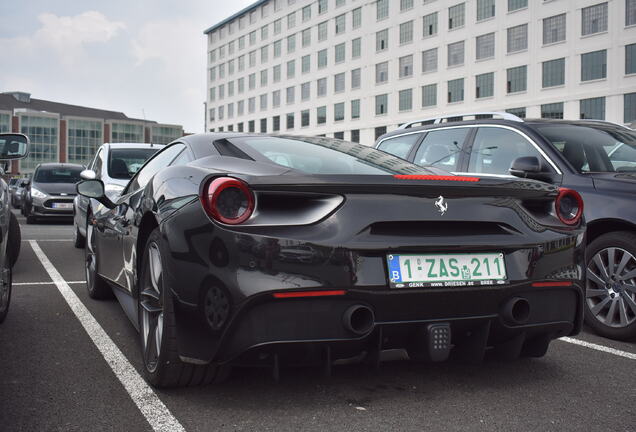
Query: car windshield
(123,163)
(58,175)
(594,148)
(317,155)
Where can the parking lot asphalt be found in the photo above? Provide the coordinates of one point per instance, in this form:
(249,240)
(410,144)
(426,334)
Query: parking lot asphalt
(55,375)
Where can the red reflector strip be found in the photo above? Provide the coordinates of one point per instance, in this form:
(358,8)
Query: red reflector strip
(435,177)
(551,284)
(309,294)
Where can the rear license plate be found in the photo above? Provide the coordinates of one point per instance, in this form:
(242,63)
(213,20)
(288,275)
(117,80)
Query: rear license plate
(63,206)
(442,270)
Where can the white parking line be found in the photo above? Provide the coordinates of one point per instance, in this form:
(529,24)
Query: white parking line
(45,283)
(597,347)
(155,412)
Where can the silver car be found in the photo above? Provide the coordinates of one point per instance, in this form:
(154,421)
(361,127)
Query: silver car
(114,164)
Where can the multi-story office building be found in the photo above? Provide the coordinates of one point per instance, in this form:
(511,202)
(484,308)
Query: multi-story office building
(356,68)
(70,133)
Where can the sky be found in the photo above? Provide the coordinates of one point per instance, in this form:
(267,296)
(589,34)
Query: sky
(145,58)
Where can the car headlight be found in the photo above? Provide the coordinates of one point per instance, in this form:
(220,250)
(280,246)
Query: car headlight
(36,193)
(113,191)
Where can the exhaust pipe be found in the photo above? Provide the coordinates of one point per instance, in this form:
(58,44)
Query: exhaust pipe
(358,319)
(516,311)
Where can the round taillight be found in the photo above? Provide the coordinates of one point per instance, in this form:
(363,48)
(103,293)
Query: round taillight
(569,206)
(228,200)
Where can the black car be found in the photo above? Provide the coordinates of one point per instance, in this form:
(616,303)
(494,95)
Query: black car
(203,251)
(12,146)
(596,158)
(51,191)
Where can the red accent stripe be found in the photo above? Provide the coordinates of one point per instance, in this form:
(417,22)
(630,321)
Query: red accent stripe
(436,177)
(551,284)
(297,294)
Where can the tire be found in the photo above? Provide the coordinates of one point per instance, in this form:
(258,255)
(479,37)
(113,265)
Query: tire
(79,241)
(610,303)
(157,329)
(5,296)
(14,240)
(96,286)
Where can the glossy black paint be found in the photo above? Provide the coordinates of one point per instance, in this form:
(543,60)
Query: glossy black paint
(346,250)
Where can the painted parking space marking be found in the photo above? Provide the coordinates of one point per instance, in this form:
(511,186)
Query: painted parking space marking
(45,283)
(598,347)
(156,413)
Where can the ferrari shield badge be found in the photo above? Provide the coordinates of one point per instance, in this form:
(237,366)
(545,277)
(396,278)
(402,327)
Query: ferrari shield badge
(441,205)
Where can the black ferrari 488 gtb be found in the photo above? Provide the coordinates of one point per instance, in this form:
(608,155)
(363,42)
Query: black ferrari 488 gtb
(238,249)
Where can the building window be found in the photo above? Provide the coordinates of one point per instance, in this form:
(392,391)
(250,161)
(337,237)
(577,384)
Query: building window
(321,86)
(379,131)
(321,115)
(355,135)
(355,109)
(429,95)
(322,31)
(456,16)
(277,48)
(514,5)
(338,112)
(517,79)
(456,90)
(5,123)
(306,13)
(456,54)
(406,32)
(593,108)
(275,124)
(630,59)
(339,53)
(264,54)
(594,19)
(356,48)
(262,104)
(322,58)
(355,78)
(240,108)
(263,79)
(251,126)
(406,5)
(405,100)
(339,82)
(485,46)
(340,24)
(381,104)
(304,118)
(290,95)
(291,20)
(382,40)
(264,125)
(251,105)
(276,73)
(322,6)
(519,112)
(485,9)
(305,91)
(552,110)
(289,121)
(429,60)
(629,108)
(291,69)
(381,72)
(305,63)
(382,9)
(518,38)
(356,18)
(278,26)
(306,37)
(554,29)
(406,66)
(554,73)
(276,98)
(630,12)
(264,32)
(430,24)
(485,85)
(291,43)
(594,65)
(252,59)
(221,112)
(125,132)
(85,136)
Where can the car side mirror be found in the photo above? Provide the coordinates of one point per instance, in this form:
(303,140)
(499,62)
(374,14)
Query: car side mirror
(88,175)
(529,167)
(13,146)
(94,189)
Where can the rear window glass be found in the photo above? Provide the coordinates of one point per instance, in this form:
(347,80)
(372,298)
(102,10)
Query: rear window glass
(317,155)
(124,163)
(58,175)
